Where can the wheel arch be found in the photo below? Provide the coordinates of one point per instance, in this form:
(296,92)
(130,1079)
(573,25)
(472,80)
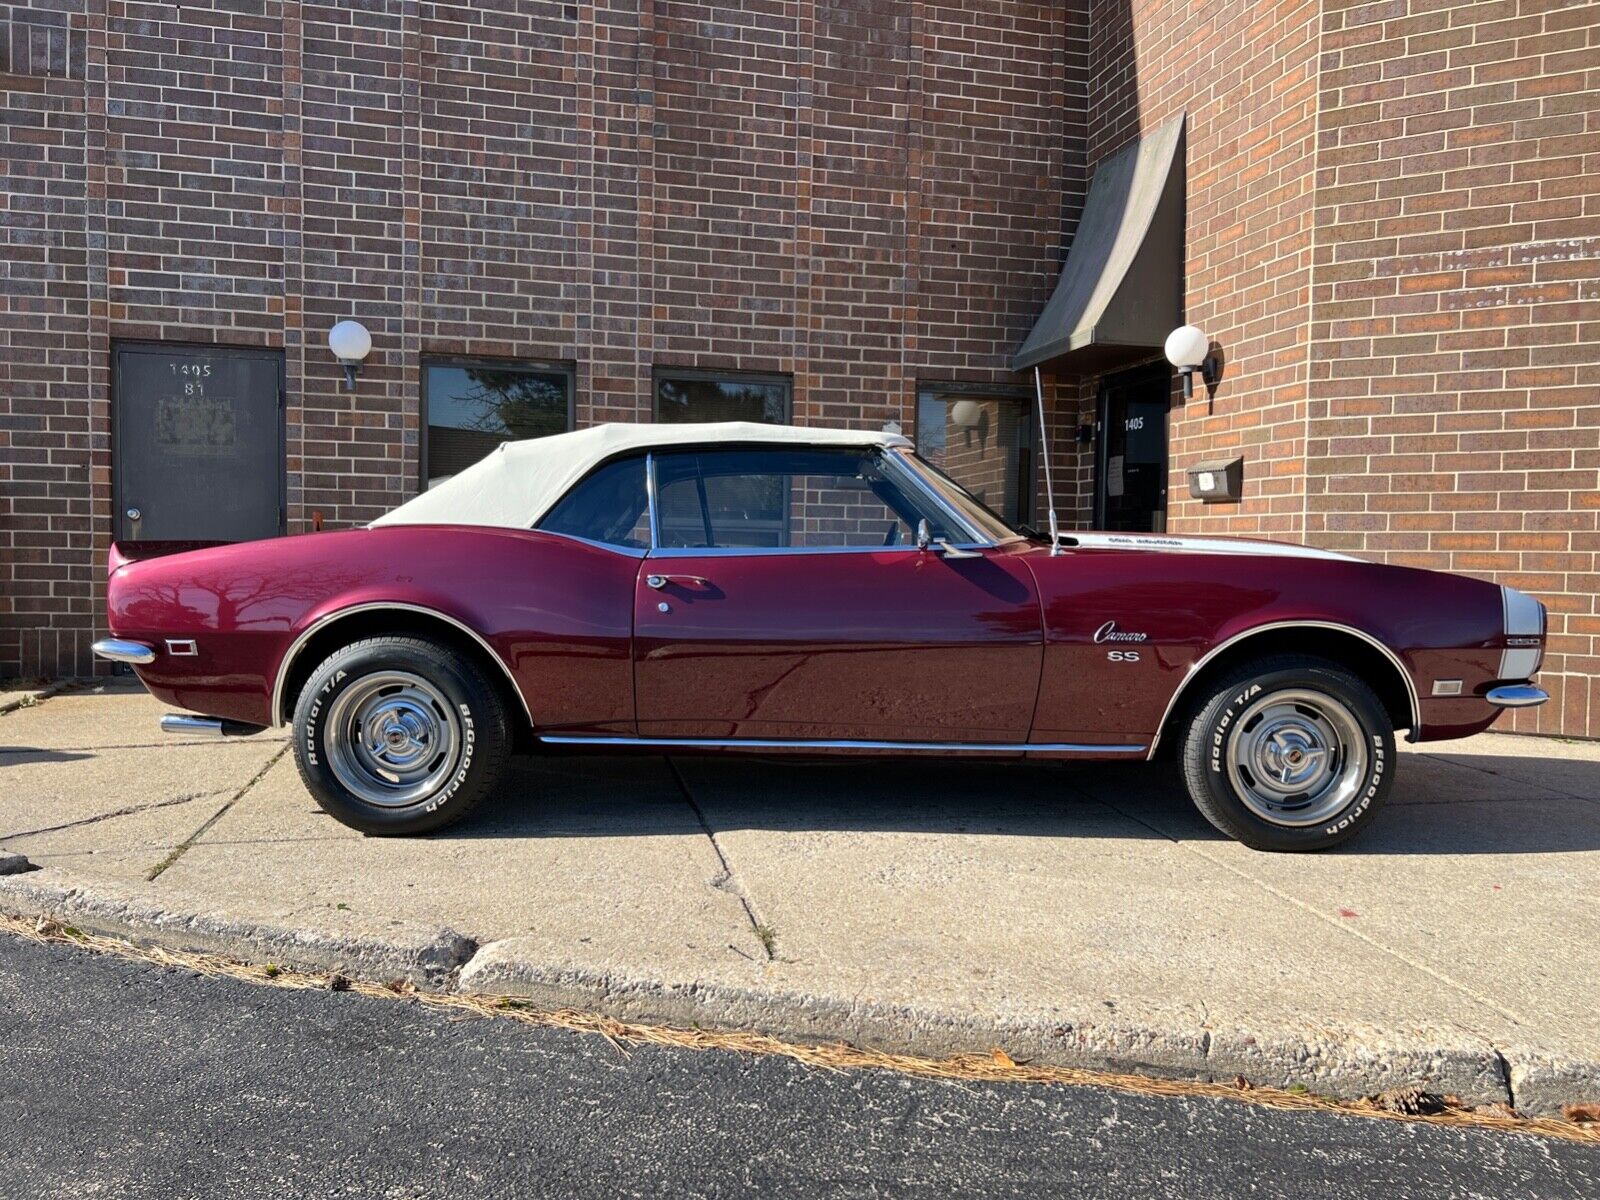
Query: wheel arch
(343,626)
(1377,665)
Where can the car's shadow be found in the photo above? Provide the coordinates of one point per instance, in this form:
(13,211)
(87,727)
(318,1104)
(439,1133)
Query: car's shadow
(20,755)
(1464,804)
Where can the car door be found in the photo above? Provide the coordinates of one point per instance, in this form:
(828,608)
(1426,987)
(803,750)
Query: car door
(785,597)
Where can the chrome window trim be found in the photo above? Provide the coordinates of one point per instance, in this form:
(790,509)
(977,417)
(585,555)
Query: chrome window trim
(895,456)
(902,474)
(927,483)
(650,499)
(769,551)
(279,718)
(627,551)
(1199,663)
(554,739)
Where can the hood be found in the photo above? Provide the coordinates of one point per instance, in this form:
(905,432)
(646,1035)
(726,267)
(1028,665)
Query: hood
(1197,545)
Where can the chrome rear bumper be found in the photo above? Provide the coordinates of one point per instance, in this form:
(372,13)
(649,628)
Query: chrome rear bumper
(116,650)
(1517,695)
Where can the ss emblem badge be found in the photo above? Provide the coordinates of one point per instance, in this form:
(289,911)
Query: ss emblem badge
(1122,656)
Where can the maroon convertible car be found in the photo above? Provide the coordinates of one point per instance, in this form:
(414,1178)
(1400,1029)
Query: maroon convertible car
(741,587)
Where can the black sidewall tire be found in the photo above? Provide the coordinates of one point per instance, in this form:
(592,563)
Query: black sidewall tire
(1207,742)
(486,736)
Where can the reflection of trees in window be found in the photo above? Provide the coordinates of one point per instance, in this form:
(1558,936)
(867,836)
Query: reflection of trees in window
(515,404)
(472,409)
(684,400)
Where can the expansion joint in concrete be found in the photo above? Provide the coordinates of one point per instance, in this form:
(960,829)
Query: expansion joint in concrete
(728,880)
(182,847)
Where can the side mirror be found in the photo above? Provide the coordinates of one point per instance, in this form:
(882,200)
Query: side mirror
(924,536)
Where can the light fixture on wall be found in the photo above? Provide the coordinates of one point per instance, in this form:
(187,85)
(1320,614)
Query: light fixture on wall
(964,414)
(1189,350)
(350,343)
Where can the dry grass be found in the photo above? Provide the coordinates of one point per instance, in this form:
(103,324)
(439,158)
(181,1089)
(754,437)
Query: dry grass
(1406,1104)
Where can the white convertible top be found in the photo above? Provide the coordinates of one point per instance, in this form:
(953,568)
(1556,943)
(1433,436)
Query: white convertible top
(521,481)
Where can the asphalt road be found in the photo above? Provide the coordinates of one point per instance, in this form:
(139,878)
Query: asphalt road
(119,1079)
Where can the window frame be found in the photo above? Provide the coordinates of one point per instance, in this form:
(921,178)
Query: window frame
(892,458)
(697,375)
(530,366)
(951,390)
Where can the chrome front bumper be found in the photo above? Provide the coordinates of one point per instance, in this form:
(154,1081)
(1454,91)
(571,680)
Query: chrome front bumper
(116,650)
(1517,695)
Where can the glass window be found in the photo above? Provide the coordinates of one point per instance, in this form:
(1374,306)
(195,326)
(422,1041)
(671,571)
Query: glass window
(609,505)
(804,499)
(984,443)
(692,396)
(472,408)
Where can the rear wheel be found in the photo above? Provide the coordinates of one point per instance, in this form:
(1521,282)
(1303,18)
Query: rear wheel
(1289,753)
(397,735)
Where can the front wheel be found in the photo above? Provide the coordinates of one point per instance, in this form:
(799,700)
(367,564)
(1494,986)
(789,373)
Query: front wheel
(397,735)
(1289,753)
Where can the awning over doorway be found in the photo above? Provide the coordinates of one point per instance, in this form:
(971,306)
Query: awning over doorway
(1121,288)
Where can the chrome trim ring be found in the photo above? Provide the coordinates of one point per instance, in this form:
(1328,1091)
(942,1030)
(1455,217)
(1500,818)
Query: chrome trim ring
(392,739)
(279,717)
(1199,664)
(1296,757)
(117,650)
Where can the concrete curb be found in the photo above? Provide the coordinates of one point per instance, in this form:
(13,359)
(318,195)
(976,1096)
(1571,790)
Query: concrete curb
(28,697)
(1346,1062)
(427,958)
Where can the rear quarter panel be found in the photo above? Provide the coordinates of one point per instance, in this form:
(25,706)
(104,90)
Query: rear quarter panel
(557,612)
(1188,603)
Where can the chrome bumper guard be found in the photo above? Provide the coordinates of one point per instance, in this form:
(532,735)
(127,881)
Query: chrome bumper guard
(116,650)
(1517,695)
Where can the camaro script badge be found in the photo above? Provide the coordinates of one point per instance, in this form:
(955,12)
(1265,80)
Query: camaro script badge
(1110,633)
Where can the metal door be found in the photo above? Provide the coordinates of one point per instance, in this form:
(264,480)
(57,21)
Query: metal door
(1131,491)
(893,645)
(197,444)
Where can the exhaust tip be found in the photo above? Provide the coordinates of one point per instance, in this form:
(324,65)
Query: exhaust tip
(195,726)
(183,723)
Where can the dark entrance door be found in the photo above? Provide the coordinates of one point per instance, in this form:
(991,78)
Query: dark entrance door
(198,444)
(1131,483)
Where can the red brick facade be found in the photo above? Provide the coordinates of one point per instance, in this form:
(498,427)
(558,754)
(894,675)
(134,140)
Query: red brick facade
(1392,235)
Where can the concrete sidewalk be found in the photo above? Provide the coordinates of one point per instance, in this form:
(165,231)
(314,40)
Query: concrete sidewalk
(1083,916)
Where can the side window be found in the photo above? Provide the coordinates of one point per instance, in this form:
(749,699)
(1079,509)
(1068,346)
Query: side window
(800,499)
(608,505)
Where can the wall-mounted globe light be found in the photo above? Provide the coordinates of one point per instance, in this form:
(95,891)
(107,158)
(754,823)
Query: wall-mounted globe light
(1189,350)
(350,343)
(965,414)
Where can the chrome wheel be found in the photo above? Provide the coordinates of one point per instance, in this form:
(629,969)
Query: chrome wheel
(392,739)
(1297,757)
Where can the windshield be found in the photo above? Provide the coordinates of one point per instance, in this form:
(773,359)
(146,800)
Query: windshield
(974,511)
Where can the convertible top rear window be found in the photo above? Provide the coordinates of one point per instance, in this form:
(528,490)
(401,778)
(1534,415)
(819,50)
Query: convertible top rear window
(609,505)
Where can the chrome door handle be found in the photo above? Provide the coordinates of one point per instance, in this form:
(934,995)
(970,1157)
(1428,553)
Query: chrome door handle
(660,581)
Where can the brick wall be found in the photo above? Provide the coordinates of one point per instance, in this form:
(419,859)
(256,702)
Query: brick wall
(1245,73)
(863,194)
(1453,415)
